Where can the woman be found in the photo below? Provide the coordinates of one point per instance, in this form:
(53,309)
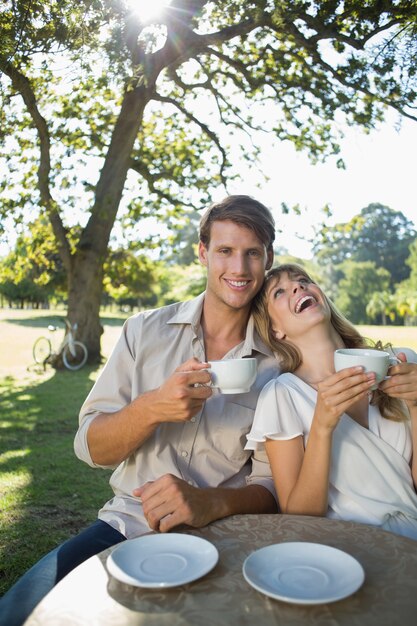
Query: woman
(336,448)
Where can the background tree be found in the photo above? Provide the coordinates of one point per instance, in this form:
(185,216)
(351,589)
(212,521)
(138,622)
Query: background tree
(378,234)
(359,283)
(405,295)
(131,280)
(381,307)
(406,304)
(32,272)
(180,247)
(114,106)
(412,264)
(181,282)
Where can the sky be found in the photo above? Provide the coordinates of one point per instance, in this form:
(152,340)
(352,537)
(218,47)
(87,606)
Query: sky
(380,167)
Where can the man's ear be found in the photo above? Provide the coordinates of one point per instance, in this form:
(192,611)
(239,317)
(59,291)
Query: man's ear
(202,253)
(269,259)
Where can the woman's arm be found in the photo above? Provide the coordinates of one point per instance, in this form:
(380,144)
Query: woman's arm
(301,476)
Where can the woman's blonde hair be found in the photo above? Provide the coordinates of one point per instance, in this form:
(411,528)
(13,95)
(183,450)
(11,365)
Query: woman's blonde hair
(288,354)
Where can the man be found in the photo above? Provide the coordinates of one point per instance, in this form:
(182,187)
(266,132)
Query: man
(177,445)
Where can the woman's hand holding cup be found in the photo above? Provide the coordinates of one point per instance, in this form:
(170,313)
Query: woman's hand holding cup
(402,381)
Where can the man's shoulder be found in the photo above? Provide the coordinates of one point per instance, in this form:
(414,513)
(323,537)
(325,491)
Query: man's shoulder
(177,312)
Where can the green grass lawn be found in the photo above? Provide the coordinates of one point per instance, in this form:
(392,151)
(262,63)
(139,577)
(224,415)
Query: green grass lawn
(46,493)
(400,336)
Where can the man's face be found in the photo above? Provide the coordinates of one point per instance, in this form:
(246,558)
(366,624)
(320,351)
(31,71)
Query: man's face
(236,261)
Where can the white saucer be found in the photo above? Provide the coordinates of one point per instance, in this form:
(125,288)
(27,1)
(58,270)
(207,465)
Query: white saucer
(303,573)
(160,561)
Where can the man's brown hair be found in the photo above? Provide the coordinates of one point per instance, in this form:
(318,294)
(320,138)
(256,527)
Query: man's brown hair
(243,210)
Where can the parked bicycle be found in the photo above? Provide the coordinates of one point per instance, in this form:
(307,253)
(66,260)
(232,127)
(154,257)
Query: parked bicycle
(74,353)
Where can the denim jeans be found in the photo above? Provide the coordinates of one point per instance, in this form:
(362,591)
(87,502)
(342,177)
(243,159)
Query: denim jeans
(20,600)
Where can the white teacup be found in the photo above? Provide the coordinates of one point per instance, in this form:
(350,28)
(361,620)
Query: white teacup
(377,361)
(233,375)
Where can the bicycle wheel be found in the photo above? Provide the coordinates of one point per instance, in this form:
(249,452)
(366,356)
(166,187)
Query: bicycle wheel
(74,356)
(42,349)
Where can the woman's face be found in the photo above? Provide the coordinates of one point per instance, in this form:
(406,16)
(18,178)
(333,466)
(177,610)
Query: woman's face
(295,304)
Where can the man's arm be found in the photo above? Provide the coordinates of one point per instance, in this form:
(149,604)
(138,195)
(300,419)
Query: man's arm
(112,437)
(169,501)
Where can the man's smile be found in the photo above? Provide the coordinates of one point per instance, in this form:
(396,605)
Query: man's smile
(237,283)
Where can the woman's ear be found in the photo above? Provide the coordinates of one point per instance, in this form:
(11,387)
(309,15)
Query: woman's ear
(278,334)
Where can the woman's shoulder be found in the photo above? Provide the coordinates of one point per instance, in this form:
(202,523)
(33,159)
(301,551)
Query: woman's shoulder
(283,387)
(280,382)
(409,353)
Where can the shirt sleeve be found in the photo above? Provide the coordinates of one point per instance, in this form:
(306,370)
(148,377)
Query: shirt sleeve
(276,417)
(261,472)
(409,353)
(111,392)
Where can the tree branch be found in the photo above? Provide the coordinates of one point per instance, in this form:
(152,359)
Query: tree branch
(203,127)
(240,68)
(332,31)
(23,86)
(310,45)
(184,43)
(140,168)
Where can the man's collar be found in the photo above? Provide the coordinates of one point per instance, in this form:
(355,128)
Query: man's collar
(189,312)
(253,341)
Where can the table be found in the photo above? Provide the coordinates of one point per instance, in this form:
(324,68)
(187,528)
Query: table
(89,596)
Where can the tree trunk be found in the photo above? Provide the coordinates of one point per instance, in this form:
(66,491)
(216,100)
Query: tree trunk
(84,298)
(85,270)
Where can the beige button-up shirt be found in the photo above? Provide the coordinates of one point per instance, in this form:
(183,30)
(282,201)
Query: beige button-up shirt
(206,451)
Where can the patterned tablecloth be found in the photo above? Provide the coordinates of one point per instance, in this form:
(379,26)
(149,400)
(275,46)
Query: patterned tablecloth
(89,596)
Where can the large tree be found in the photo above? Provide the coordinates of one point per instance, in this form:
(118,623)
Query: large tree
(377,234)
(113,105)
(357,287)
